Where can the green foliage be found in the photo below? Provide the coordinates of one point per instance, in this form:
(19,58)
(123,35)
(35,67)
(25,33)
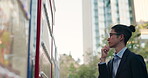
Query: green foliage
(134,44)
(68,67)
(5,37)
(89,70)
(85,71)
(72,71)
(143,26)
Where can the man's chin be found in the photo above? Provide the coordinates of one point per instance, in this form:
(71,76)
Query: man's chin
(110,46)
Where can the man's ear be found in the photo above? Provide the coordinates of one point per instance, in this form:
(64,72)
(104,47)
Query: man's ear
(122,37)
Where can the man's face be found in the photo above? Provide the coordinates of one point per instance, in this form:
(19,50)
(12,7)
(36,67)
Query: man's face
(113,40)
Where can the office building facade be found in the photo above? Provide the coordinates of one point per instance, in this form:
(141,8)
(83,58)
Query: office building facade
(98,17)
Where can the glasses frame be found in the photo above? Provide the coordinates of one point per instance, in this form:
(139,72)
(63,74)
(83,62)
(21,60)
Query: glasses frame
(111,34)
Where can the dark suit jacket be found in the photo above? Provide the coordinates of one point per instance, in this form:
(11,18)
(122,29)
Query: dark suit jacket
(131,66)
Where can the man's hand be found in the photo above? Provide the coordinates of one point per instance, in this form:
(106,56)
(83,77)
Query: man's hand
(104,53)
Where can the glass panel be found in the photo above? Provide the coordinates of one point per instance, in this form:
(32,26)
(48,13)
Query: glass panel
(45,65)
(13,40)
(45,48)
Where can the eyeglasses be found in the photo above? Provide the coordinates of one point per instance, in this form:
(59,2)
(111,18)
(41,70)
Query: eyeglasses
(110,34)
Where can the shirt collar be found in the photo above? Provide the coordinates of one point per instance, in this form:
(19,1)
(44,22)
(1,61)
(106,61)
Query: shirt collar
(120,53)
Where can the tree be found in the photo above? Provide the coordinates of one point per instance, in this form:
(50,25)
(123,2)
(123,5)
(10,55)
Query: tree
(143,50)
(72,71)
(89,70)
(68,66)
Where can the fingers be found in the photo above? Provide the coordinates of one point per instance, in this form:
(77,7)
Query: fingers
(105,49)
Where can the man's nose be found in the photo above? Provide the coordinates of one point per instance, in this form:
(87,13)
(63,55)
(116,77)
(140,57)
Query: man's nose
(108,39)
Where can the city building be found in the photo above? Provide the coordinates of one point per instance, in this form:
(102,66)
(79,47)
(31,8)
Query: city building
(142,18)
(87,28)
(141,11)
(98,17)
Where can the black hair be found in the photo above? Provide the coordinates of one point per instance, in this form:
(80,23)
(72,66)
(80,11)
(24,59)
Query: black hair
(125,30)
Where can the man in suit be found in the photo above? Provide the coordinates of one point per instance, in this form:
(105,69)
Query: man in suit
(125,63)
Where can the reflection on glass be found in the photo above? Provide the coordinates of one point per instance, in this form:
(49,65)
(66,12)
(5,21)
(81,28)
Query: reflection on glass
(13,40)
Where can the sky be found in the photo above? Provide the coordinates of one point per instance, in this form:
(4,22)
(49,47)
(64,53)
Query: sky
(68,25)
(141,10)
(68,28)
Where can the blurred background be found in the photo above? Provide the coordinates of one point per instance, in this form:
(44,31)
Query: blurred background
(71,47)
(84,25)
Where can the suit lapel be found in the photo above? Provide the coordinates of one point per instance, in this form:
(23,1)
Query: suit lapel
(110,67)
(123,60)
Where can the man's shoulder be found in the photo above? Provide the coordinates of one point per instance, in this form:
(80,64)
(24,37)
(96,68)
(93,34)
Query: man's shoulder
(131,54)
(134,56)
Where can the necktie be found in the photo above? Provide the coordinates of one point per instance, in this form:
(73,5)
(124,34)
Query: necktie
(115,65)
